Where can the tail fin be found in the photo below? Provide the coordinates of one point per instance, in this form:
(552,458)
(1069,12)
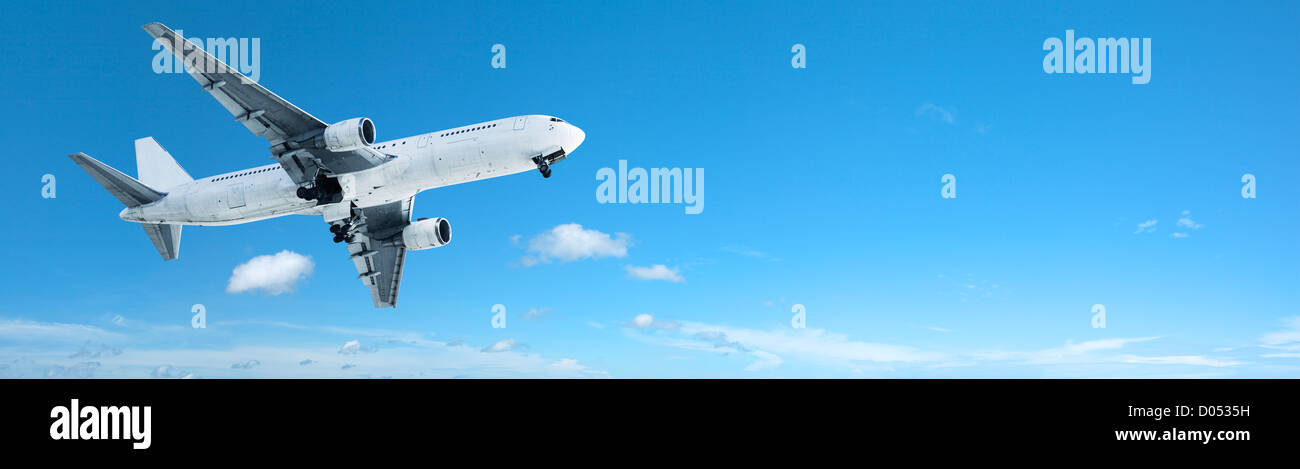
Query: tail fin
(133,193)
(156,167)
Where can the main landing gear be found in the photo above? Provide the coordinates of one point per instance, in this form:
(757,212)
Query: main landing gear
(342,232)
(323,189)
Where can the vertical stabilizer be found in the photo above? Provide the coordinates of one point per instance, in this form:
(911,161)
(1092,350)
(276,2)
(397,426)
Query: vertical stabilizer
(156,167)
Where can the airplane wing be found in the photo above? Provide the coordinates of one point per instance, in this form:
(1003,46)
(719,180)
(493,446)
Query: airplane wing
(284,125)
(377,249)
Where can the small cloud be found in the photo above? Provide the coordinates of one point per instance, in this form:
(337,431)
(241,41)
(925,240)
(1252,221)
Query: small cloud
(80,370)
(167,371)
(353,347)
(938,329)
(642,321)
(1186,222)
(752,253)
(1146,226)
(655,272)
(1287,340)
(306,362)
(500,346)
(87,351)
(938,113)
(273,274)
(118,320)
(571,242)
(595,324)
(534,313)
(245,365)
(647,321)
(348,366)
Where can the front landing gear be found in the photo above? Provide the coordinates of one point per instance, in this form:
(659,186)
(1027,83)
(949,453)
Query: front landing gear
(545,161)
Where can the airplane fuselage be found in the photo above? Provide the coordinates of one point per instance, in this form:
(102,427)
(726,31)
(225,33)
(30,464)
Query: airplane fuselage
(417,163)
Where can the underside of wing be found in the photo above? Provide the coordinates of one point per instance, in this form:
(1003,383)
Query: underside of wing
(379,266)
(377,251)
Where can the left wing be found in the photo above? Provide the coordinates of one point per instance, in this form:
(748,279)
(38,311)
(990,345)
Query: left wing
(377,250)
(287,128)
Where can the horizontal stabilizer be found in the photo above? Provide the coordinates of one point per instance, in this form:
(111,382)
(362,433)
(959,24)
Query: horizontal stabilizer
(129,191)
(166,238)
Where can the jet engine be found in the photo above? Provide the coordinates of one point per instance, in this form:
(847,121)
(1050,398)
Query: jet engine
(349,135)
(427,233)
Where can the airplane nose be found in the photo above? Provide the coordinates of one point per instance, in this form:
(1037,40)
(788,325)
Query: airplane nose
(576,137)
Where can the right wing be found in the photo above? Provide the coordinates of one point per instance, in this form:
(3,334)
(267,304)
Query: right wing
(286,127)
(378,252)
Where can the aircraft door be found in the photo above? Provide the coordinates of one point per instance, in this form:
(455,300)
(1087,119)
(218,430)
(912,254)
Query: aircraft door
(520,121)
(236,197)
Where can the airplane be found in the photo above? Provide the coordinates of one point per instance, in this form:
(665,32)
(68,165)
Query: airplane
(362,188)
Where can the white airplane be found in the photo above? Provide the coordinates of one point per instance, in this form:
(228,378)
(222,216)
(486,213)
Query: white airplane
(363,189)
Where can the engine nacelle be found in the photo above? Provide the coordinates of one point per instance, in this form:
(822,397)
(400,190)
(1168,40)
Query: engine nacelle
(427,233)
(350,134)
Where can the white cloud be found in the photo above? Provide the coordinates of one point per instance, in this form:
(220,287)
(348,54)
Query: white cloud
(246,365)
(655,272)
(406,354)
(937,112)
(752,253)
(768,348)
(1186,222)
(534,313)
(353,347)
(647,321)
(1286,340)
(571,242)
(1147,226)
(33,331)
(643,320)
(1194,360)
(167,371)
(500,346)
(273,274)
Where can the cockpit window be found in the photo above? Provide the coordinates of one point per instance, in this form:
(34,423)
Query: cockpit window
(556,119)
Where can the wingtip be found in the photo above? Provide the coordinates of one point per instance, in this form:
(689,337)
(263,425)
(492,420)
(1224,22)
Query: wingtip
(155,28)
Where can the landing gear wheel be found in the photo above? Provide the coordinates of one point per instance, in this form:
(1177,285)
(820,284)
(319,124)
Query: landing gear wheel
(545,169)
(338,238)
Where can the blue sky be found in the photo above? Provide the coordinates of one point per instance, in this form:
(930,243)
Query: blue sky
(822,189)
